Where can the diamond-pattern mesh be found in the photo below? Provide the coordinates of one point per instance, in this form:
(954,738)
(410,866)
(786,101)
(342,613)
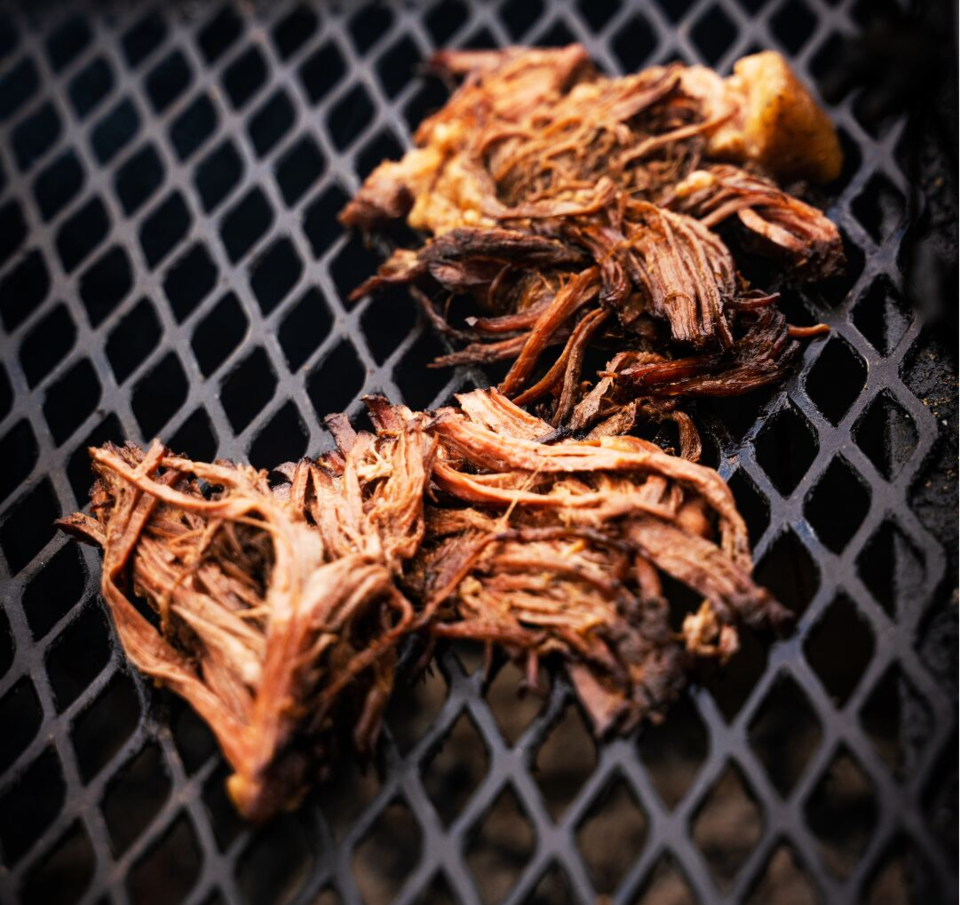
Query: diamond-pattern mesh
(170,265)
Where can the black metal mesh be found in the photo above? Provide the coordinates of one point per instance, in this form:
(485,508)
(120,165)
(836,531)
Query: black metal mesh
(170,265)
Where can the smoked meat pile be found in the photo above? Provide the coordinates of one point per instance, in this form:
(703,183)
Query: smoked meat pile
(579,215)
(276,609)
(276,615)
(582,214)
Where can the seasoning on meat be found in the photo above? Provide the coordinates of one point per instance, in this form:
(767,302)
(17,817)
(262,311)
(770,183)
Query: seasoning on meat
(581,212)
(275,615)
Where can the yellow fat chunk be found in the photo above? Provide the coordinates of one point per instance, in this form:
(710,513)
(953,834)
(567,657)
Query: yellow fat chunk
(783,127)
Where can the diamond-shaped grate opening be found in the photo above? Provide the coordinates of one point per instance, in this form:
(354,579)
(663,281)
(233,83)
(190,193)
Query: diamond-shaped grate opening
(891,567)
(64,872)
(196,436)
(414,375)
(784,734)
(564,762)
(105,284)
(839,647)
(304,328)
(163,228)
(244,77)
(169,180)
(219,334)
(887,434)
(897,720)
(789,571)
(554,888)
(635,42)
(28,807)
(158,396)
(29,526)
(53,591)
(19,83)
(501,846)
(247,389)
(838,504)
(78,656)
(81,233)
(24,287)
(879,207)
(786,448)
(388,325)
(139,178)
(115,130)
(666,883)
(785,880)
(883,316)
(71,400)
(836,379)
(274,274)
(674,751)
(34,136)
(452,774)
(349,117)
(46,345)
(293,28)
(135,795)
(732,685)
(18,450)
(168,80)
(142,37)
(793,25)
(751,503)
(169,870)
(58,184)
(191,128)
(189,280)
(282,439)
(20,710)
(713,34)
(614,813)
(218,174)
(275,864)
(339,376)
(842,811)
(192,738)
(902,875)
(727,826)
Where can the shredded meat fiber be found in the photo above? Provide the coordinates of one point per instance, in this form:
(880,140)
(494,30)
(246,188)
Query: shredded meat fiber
(276,611)
(579,212)
(560,548)
(275,615)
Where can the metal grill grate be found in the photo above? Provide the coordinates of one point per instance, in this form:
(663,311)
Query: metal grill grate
(169,264)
